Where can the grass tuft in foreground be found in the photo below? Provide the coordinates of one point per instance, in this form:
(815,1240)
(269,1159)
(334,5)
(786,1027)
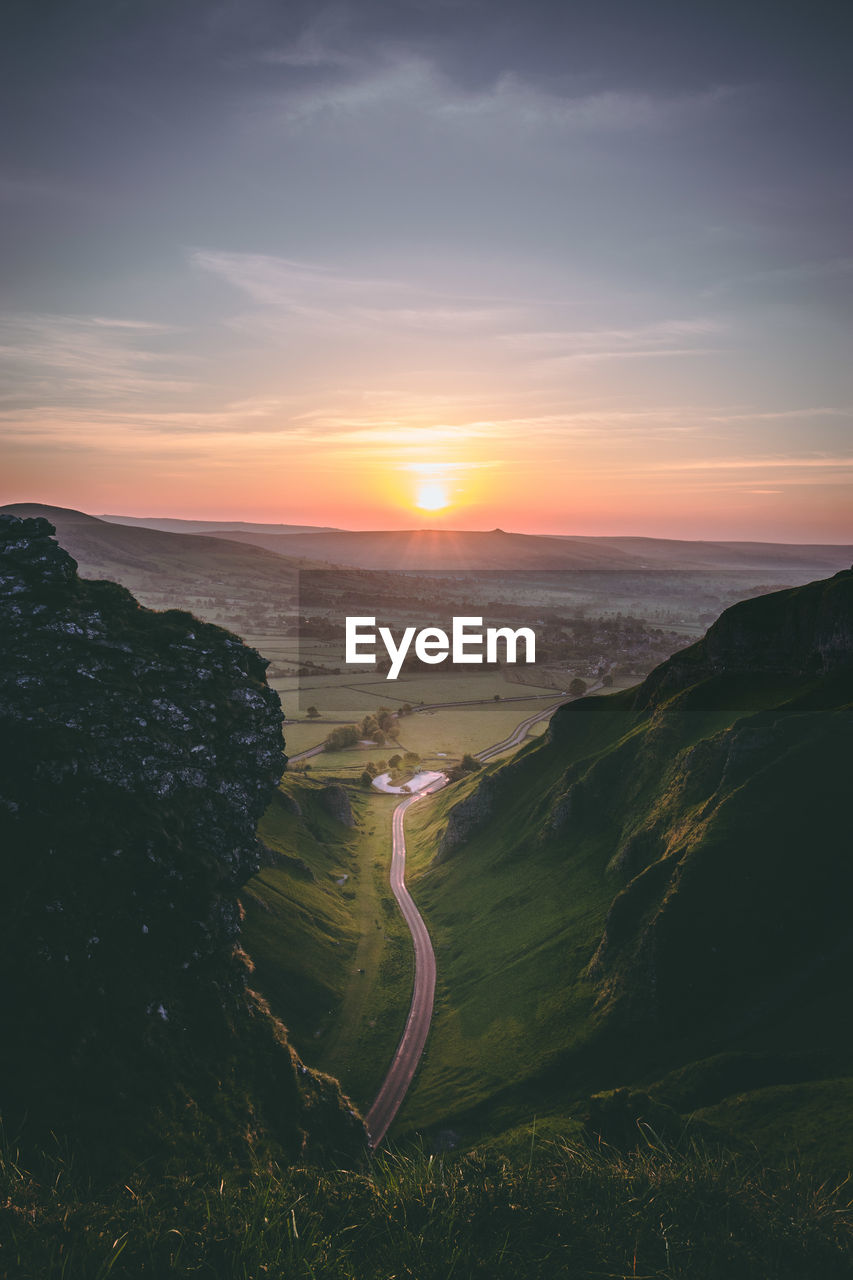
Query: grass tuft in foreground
(564,1210)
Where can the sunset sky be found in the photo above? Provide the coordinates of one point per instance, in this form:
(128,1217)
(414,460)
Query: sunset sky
(559,267)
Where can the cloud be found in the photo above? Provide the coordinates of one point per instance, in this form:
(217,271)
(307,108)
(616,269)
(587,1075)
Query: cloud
(297,296)
(395,81)
(321,297)
(50,357)
(664,338)
(795,274)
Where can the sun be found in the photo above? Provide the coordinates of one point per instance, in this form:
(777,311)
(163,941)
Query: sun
(432,496)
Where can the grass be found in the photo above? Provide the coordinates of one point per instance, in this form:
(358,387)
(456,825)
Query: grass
(812,1117)
(333,959)
(516,914)
(354,692)
(560,1209)
(445,732)
(504,993)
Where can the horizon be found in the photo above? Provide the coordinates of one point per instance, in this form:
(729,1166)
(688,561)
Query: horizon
(321,527)
(550,267)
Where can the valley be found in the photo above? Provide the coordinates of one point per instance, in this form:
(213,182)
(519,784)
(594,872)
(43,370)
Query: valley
(636,898)
(572,836)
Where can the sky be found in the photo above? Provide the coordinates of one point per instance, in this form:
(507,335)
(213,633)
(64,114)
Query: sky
(574,267)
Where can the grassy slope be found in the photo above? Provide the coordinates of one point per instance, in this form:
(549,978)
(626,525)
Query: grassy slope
(558,1211)
(504,993)
(516,1031)
(310,937)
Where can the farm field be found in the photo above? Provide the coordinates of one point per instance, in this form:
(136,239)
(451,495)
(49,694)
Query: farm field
(438,736)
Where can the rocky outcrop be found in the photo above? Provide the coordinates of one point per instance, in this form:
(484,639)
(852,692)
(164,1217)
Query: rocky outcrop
(336,802)
(138,751)
(468,816)
(801,631)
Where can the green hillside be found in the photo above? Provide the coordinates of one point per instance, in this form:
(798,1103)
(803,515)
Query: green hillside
(662,879)
(641,1043)
(329,948)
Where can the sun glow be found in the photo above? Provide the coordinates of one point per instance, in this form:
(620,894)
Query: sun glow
(432,496)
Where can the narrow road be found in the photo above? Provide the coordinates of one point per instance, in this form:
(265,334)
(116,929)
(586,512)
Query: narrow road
(519,733)
(312,751)
(411,1046)
(512,741)
(413,1040)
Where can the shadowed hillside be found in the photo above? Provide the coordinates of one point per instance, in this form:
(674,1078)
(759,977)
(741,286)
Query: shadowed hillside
(150,561)
(675,861)
(138,752)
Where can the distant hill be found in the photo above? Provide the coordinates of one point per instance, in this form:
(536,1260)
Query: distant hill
(172,569)
(116,546)
(167,525)
(675,864)
(448,549)
(655,553)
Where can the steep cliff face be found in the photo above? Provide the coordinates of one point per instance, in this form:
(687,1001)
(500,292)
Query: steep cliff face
(138,751)
(703,820)
(468,816)
(726,805)
(801,631)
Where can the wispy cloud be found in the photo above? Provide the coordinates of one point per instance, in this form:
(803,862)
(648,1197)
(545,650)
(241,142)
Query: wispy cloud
(794,274)
(677,337)
(318,295)
(396,78)
(312,296)
(51,357)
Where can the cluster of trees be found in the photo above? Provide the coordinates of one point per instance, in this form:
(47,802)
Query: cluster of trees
(407,763)
(377,726)
(341,737)
(468,764)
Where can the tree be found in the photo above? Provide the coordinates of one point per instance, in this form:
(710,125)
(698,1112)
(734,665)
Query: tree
(367,779)
(346,735)
(395,762)
(578,687)
(607,681)
(312,713)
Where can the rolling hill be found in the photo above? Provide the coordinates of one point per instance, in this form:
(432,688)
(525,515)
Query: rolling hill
(172,569)
(446,549)
(654,897)
(169,525)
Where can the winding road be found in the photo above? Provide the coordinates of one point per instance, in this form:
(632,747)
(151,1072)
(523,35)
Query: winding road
(411,1046)
(413,1040)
